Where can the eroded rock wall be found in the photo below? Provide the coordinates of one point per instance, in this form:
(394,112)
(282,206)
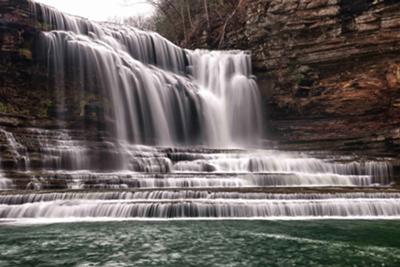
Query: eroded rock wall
(30,121)
(24,94)
(329,70)
(28,94)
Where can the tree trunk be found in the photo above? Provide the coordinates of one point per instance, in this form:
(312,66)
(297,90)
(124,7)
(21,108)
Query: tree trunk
(206,11)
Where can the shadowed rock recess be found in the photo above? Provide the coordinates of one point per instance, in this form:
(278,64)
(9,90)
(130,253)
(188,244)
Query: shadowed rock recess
(104,120)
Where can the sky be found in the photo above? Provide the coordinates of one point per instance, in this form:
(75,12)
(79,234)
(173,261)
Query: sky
(101,10)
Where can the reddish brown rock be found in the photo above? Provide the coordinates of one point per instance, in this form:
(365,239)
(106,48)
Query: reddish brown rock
(328,70)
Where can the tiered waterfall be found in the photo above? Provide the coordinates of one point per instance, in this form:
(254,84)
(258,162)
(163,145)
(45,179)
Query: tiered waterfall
(182,138)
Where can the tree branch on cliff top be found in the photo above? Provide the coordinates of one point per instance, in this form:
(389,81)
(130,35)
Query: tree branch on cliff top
(221,40)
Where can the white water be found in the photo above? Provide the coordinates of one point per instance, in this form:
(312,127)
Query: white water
(160,94)
(164,105)
(149,196)
(204,208)
(5,183)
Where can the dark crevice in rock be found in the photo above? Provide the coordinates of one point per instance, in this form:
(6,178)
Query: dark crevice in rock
(349,9)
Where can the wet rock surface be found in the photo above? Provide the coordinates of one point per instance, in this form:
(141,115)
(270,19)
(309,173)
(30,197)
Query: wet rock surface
(329,74)
(328,70)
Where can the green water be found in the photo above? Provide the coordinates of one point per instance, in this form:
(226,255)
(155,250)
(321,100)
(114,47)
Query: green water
(203,243)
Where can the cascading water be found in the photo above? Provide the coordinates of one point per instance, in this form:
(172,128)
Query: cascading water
(160,94)
(179,125)
(5,183)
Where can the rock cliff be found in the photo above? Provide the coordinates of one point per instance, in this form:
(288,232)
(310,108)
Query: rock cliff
(24,96)
(27,93)
(329,69)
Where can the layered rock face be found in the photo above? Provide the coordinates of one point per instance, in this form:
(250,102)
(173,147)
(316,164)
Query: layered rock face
(329,70)
(100,120)
(28,94)
(335,68)
(23,85)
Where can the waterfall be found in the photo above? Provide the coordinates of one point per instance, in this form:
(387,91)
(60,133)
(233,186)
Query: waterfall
(179,136)
(5,183)
(17,199)
(218,208)
(160,94)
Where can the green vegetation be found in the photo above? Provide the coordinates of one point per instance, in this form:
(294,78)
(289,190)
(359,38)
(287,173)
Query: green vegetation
(6,108)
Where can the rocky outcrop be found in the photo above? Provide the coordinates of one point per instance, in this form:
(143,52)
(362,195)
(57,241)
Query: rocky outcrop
(28,97)
(329,70)
(29,118)
(24,97)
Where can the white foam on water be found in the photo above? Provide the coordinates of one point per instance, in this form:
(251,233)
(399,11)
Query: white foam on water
(44,221)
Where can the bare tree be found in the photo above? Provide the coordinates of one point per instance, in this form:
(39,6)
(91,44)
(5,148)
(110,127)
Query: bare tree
(206,12)
(140,22)
(222,35)
(189,13)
